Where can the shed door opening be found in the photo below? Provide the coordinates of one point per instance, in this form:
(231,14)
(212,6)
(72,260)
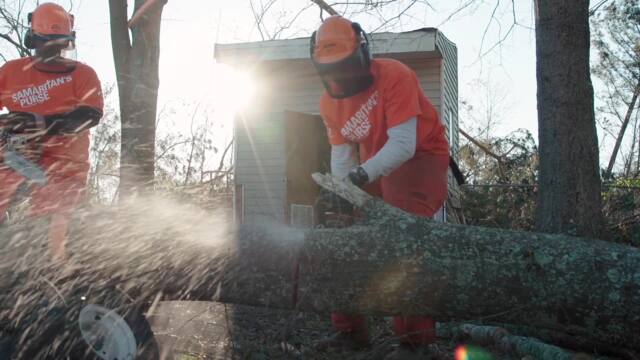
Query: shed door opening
(307,151)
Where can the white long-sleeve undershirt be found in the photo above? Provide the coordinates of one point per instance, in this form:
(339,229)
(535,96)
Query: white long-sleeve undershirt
(399,148)
(343,159)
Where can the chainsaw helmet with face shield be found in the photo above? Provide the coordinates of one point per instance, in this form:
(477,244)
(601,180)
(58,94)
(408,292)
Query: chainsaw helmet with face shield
(51,35)
(340,54)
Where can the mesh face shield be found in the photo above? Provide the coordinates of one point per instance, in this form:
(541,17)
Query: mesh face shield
(346,77)
(56,54)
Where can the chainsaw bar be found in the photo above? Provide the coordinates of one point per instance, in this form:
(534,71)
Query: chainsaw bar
(25,167)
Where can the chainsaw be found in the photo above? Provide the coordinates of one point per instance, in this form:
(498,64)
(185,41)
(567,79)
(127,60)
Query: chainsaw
(332,211)
(21,146)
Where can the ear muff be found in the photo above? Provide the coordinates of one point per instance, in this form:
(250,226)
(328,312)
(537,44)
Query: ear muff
(28,39)
(72,43)
(364,46)
(28,35)
(312,44)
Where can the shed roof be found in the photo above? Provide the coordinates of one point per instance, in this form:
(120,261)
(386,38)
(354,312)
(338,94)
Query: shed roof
(410,44)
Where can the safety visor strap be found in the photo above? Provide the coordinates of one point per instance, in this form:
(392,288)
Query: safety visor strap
(350,65)
(53,37)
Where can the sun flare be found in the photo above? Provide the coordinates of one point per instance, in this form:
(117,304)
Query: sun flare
(234,88)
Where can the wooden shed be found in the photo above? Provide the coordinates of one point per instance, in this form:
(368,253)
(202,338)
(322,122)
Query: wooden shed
(280,138)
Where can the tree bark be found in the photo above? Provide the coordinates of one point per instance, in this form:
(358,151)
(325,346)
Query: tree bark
(395,263)
(570,198)
(136,60)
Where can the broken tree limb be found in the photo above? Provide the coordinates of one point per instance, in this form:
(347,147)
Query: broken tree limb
(393,263)
(138,15)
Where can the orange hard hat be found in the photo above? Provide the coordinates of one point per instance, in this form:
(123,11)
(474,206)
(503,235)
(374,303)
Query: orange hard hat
(335,40)
(51,19)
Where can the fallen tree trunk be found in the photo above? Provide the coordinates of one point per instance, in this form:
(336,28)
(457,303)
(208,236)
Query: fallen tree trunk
(404,264)
(394,263)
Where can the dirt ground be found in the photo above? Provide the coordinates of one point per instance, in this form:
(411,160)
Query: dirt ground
(208,330)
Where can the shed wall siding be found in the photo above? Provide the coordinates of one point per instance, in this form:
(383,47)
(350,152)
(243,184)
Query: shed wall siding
(450,100)
(450,87)
(259,166)
(428,72)
(302,94)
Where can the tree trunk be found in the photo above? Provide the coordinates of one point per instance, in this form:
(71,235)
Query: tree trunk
(569,199)
(632,152)
(395,263)
(637,172)
(136,60)
(623,128)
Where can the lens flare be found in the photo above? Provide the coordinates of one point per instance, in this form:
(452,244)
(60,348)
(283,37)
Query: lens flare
(461,353)
(471,353)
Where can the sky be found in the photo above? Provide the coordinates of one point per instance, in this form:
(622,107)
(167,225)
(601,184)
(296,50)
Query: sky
(503,77)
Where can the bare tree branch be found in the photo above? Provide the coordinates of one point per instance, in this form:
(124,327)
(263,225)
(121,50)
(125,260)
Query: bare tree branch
(277,33)
(224,155)
(397,16)
(481,146)
(457,11)
(15,27)
(595,8)
(325,7)
(193,145)
(258,18)
(171,147)
(13,42)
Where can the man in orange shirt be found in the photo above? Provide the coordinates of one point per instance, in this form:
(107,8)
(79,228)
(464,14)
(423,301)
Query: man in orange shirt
(60,99)
(377,105)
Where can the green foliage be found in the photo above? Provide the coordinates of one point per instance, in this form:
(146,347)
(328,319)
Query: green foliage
(510,200)
(622,210)
(502,191)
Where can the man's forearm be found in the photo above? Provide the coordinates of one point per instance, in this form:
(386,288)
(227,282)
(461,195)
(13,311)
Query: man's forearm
(343,159)
(82,118)
(399,148)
